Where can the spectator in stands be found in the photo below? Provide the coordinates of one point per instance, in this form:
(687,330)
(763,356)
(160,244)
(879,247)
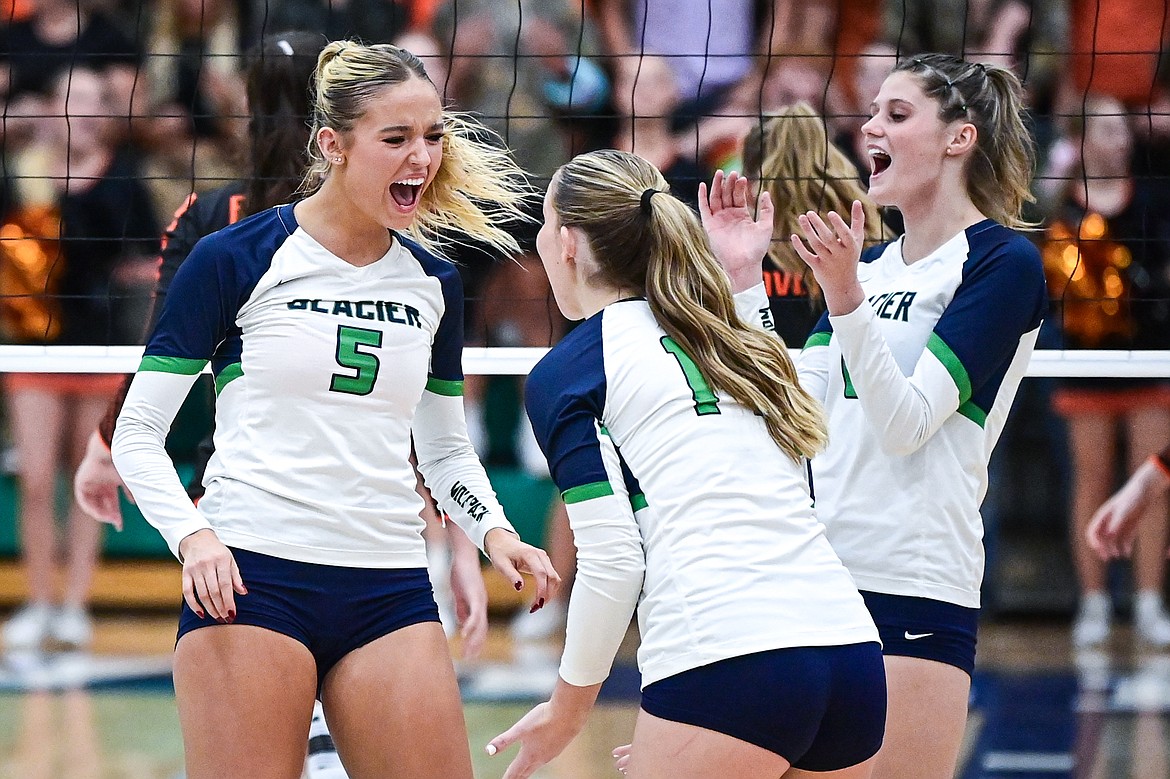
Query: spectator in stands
(709,54)
(75,182)
(61,35)
(1112,53)
(1107,262)
(646,131)
(194,71)
(376,21)
(1001,32)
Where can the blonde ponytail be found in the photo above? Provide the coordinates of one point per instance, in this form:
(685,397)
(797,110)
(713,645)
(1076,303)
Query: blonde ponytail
(661,248)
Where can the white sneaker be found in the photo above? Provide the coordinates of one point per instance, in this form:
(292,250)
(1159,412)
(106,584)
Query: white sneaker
(1150,620)
(541,625)
(72,627)
(29,627)
(1092,624)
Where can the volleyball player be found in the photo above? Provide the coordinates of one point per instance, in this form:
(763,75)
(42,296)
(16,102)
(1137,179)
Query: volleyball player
(334,340)
(917,360)
(677,435)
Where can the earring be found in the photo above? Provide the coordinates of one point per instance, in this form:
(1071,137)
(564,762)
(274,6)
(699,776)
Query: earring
(338,160)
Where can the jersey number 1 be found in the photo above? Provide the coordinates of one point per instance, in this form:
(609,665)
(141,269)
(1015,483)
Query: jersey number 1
(706,401)
(365,364)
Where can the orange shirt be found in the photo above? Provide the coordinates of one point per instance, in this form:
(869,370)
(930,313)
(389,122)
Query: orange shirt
(1115,46)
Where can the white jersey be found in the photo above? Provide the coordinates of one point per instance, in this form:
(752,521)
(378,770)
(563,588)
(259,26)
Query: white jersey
(321,371)
(681,497)
(917,386)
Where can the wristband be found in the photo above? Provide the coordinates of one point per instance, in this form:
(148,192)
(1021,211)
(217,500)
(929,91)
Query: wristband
(1162,462)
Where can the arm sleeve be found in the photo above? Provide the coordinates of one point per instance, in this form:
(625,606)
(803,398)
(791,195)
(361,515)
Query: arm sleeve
(587,469)
(752,306)
(140,456)
(974,342)
(449,465)
(191,326)
(450,468)
(610,568)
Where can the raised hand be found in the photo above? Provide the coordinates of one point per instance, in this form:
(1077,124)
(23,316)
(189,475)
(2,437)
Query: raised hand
(833,251)
(739,238)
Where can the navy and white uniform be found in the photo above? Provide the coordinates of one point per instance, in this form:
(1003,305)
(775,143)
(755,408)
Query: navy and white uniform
(681,504)
(917,386)
(322,371)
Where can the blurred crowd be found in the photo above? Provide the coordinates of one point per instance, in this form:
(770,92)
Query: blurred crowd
(115,110)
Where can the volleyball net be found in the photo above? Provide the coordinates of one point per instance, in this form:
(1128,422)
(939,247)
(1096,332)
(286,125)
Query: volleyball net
(106,133)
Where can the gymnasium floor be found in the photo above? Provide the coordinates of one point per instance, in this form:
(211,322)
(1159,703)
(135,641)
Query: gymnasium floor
(1038,711)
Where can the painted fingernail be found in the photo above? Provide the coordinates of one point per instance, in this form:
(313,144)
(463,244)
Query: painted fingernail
(490,749)
(519,585)
(232,614)
(200,614)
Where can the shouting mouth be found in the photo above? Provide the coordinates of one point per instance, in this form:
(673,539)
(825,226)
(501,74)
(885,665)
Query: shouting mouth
(879,161)
(406,192)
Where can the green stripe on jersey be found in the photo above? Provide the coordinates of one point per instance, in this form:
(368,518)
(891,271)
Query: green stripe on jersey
(818,339)
(638,502)
(598,489)
(974,413)
(950,361)
(182,365)
(452,389)
(228,375)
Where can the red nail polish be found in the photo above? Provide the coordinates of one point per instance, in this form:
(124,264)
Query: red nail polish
(231,615)
(199,614)
(519,585)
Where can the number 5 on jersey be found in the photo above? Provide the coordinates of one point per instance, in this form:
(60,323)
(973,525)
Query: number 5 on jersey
(365,364)
(706,401)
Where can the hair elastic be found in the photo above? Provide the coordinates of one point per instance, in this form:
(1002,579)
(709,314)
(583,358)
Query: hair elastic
(645,201)
(285,46)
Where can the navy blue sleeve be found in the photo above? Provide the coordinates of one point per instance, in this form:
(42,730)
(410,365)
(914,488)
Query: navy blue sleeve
(447,349)
(565,397)
(1002,297)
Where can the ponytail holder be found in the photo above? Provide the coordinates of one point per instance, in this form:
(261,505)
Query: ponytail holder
(645,200)
(285,46)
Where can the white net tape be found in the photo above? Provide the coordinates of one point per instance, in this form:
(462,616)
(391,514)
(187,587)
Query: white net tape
(516,361)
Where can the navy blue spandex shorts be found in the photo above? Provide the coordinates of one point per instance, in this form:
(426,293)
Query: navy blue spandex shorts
(331,609)
(820,708)
(925,628)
